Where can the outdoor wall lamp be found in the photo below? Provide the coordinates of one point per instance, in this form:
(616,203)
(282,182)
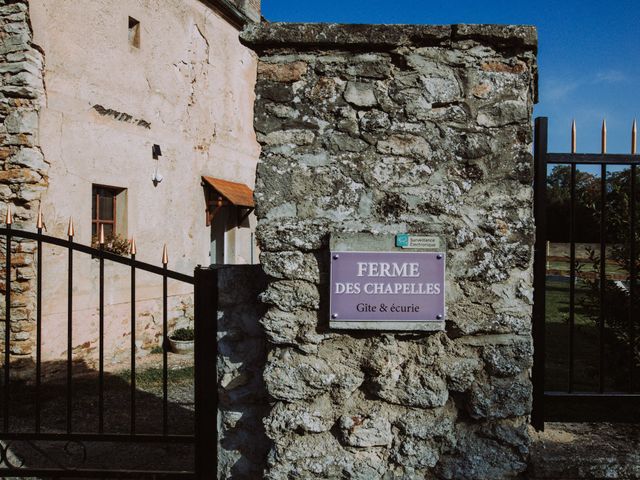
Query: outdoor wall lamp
(156,177)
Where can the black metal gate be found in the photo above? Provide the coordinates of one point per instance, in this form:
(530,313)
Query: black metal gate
(586,307)
(28,447)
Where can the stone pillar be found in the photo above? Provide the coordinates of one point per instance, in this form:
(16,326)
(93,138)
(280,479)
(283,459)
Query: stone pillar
(242,399)
(23,171)
(391,129)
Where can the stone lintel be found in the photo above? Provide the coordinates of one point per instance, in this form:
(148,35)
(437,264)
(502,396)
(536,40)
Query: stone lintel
(383,37)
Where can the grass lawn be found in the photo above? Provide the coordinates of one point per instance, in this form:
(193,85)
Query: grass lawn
(586,344)
(150,379)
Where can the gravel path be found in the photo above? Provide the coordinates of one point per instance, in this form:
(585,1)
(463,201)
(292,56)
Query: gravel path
(567,451)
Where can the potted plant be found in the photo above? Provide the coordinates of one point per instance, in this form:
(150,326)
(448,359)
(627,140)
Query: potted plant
(181,341)
(112,243)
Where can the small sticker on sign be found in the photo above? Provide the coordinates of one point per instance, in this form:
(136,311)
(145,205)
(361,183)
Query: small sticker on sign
(405,240)
(402,240)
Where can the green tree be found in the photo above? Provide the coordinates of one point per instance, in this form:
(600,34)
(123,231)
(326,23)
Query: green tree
(618,302)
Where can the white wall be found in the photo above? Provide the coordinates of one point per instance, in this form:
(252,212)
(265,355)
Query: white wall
(191,79)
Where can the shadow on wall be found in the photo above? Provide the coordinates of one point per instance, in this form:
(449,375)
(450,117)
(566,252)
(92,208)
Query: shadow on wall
(117,419)
(242,353)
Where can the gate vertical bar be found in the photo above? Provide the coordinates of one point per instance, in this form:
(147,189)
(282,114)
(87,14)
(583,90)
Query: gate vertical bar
(133,344)
(603,266)
(38,324)
(572,275)
(101,346)
(632,279)
(539,274)
(206,390)
(7,326)
(70,330)
(165,346)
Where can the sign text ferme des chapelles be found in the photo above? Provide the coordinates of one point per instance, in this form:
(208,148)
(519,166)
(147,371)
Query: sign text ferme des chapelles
(387,286)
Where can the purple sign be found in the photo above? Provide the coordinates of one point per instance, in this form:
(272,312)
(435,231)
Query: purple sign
(387,286)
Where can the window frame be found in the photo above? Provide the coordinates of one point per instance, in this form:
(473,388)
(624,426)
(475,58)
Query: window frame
(96,220)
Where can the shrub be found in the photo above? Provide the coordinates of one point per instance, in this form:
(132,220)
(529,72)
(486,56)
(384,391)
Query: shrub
(183,334)
(113,243)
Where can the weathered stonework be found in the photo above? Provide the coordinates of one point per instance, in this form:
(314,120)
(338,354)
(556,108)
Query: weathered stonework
(23,168)
(242,399)
(391,129)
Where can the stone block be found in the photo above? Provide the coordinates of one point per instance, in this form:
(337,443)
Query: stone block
(12,8)
(291,295)
(315,417)
(304,235)
(309,456)
(30,158)
(405,145)
(290,137)
(509,360)
(341,142)
(476,456)
(360,94)
(275,92)
(363,431)
(504,113)
(282,72)
(292,376)
(500,398)
(291,266)
(22,121)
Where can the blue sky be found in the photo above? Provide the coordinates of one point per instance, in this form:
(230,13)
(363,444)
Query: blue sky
(589,53)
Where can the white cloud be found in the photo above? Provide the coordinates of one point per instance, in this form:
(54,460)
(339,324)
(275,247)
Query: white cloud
(555,90)
(610,76)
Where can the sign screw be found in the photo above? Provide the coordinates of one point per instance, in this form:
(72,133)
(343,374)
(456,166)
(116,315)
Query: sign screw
(439,256)
(335,315)
(336,256)
(438,317)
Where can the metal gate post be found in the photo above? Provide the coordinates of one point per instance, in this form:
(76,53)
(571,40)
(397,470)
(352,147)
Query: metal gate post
(539,270)
(206,388)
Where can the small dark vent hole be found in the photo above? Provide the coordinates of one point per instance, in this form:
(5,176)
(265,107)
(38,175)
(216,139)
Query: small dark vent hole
(134,32)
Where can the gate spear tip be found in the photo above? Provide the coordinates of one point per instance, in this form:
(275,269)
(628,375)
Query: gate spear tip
(101,236)
(133,246)
(9,218)
(573,136)
(72,230)
(165,255)
(604,136)
(634,137)
(39,222)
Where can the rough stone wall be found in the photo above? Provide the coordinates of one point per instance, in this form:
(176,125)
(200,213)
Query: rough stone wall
(243,445)
(23,169)
(391,129)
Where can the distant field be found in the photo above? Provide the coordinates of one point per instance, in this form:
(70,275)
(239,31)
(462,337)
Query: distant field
(558,256)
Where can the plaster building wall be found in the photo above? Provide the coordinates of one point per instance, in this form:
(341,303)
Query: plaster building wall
(188,87)
(386,130)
